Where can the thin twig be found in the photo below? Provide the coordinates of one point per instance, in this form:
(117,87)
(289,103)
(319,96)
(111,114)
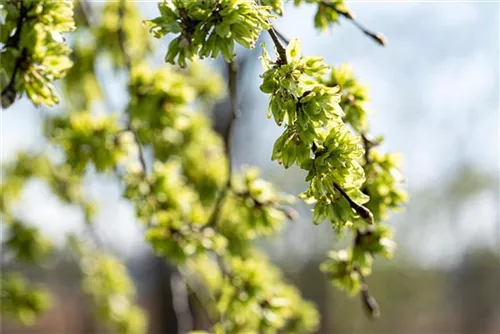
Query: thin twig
(368,144)
(140,150)
(362,211)
(8,93)
(121,36)
(233,92)
(370,305)
(377,37)
(281,36)
(180,303)
(279,47)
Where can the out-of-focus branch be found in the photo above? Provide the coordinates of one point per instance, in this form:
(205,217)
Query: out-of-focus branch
(180,303)
(281,36)
(8,93)
(233,96)
(370,305)
(121,36)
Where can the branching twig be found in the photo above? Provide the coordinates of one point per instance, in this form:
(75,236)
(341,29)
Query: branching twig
(377,37)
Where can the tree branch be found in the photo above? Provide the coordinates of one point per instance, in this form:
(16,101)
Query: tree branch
(233,96)
(8,94)
(370,305)
(377,37)
(360,209)
(281,36)
(279,47)
(121,36)
(180,304)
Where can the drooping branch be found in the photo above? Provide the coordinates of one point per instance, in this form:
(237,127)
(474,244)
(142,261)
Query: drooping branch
(377,37)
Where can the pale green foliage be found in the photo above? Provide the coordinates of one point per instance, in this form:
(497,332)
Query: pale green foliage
(328,12)
(256,202)
(313,102)
(252,298)
(207,28)
(25,243)
(21,300)
(176,218)
(354,97)
(106,281)
(314,137)
(34,52)
(161,111)
(86,138)
(276,5)
(346,267)
(384,184)
(81,85)
(107,35)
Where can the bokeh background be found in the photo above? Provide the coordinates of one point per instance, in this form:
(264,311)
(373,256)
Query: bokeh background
(435,98)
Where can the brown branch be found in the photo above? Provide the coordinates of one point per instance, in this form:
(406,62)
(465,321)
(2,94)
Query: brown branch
(362,211)
(370,304)
(233,92)
(281,36)
(8,94)
(279,47)
(377,37)
(180,303)
(121,36)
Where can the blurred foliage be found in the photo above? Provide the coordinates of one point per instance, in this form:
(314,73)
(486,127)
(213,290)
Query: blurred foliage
(21,300)
(107,282)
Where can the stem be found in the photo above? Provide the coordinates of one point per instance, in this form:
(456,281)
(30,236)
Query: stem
(121,36)
(233,91)
(8,94)
(360,209)
(377,37)
(281,36)
(279,47)
(367,145)
(180,303)
(369,303)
